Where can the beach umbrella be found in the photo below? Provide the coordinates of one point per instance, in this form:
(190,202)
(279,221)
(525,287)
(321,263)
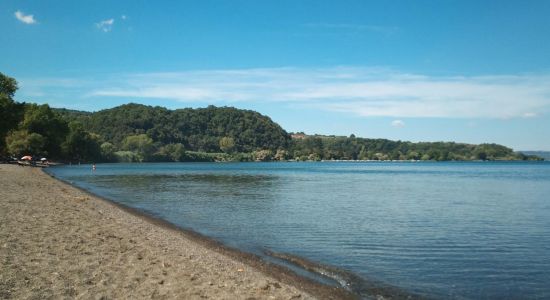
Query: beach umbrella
(43,159)
(26,157)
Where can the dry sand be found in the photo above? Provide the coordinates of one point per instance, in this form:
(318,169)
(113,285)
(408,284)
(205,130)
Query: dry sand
(57,241)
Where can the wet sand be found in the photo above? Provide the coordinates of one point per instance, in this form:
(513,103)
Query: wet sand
(57,241)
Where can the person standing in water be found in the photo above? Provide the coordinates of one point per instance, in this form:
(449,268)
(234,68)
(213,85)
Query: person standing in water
(93,167)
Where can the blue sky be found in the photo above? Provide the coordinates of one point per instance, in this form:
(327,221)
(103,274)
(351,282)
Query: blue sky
(466,71)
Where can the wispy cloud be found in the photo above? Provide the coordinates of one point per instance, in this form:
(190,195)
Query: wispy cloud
(105,25)
(27,19)
(529,115)
(352,90)
(362,91)
(398,124)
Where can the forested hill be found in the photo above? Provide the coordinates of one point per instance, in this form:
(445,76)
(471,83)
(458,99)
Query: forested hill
(247,135)
(199,129)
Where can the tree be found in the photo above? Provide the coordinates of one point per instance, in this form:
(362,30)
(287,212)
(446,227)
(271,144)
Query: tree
(281,155)
(413,155)
(108,152)
(140,144)
(17,143)
(80,145)
(8,86)
(227,144)
(126,156)
(21,142)
(176,152)
(363,154)
(171,152)
(36,144)
(11,112)
(43,120)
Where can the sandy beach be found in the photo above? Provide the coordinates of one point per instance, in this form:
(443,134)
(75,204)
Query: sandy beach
(57,241)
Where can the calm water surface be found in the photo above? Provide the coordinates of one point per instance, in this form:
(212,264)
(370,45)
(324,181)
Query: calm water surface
(442,230)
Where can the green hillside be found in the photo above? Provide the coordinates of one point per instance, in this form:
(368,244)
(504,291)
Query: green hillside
(196,129)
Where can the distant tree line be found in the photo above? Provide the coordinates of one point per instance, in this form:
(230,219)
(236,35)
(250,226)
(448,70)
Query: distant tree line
(139,133)
(354,148)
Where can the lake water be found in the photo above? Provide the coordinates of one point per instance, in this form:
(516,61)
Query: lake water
(474,230)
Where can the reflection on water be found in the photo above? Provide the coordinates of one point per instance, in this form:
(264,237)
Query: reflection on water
(447,230)
(209,186)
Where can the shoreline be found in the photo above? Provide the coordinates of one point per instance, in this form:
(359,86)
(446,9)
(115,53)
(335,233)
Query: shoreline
(242,275)
(345,284)
(274,270)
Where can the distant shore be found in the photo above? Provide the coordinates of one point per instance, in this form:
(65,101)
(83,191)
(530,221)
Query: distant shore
(58,241)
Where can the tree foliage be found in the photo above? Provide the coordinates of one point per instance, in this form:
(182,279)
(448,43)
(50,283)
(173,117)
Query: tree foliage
(8,86)
(10,111)
(227,144)
(43,120)
(171,152)
(140,144)
(352,148)
(203,129)
(81,145)
(108,152)
(21,142)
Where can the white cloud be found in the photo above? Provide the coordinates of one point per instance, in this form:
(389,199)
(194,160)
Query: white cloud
(360,91)
(27,19)
(398,124)
(105,25)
